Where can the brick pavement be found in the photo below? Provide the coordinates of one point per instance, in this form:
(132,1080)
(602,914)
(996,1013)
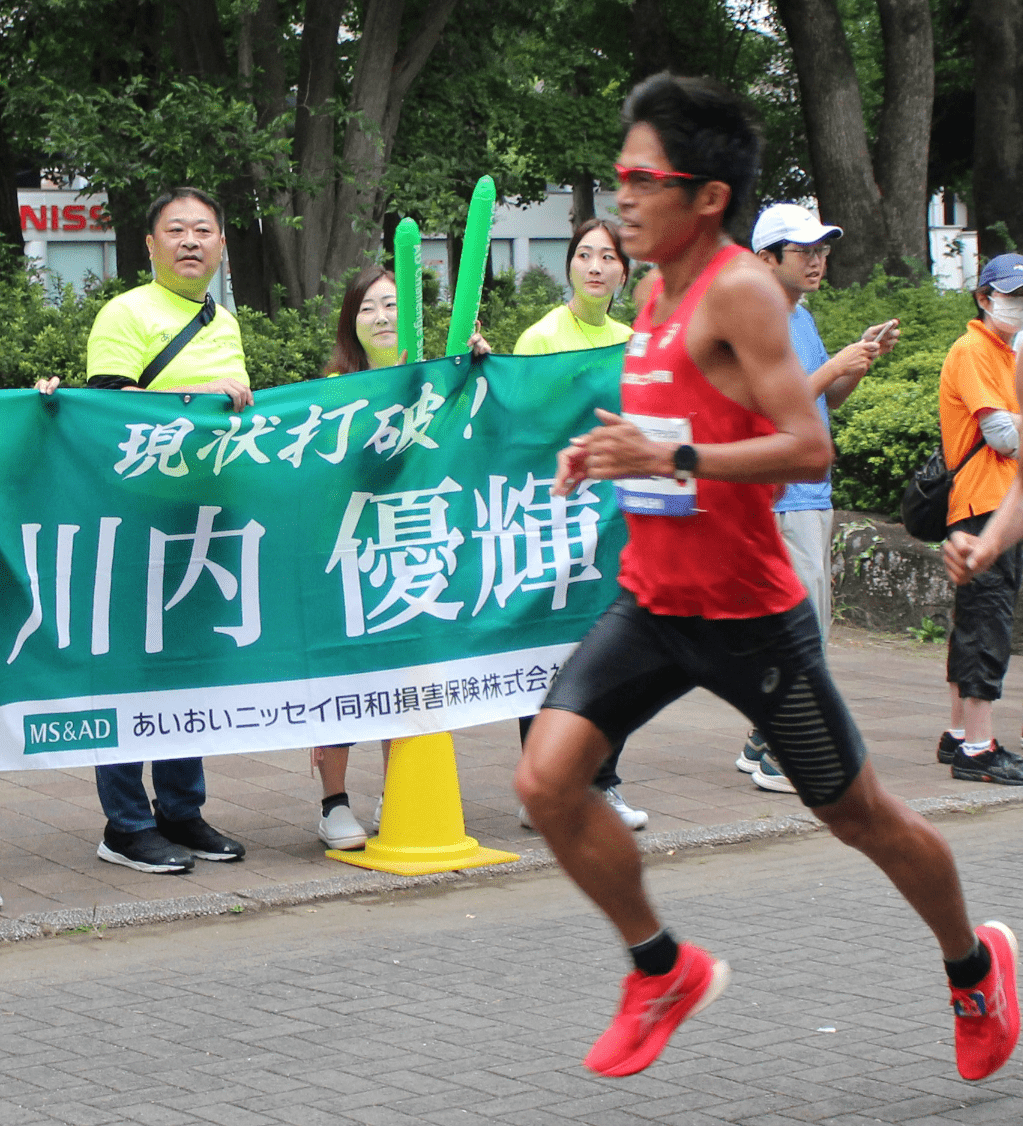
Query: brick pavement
(473,1007)
(680,768)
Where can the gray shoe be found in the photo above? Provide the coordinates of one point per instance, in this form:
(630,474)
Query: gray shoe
(770,776)
(752,752)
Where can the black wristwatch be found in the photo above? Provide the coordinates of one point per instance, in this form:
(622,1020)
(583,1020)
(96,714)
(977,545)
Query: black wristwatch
(685,463)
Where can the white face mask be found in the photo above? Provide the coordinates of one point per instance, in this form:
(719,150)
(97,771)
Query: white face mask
(1006,310)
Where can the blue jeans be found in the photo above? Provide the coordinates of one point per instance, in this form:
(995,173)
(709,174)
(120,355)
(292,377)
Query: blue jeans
(180,787)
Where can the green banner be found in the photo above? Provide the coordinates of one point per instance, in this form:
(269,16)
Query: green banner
(369,556)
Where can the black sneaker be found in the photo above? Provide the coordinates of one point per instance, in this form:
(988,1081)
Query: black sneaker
(145,851)
(199,837)
(948,744)
(996,765)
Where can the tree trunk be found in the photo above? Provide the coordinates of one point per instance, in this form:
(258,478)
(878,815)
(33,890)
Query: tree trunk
(654,46)
(842,169)
(997,29)
(382,79)
(454,249)
(583,207)
(260,65)
(140,24)
(200,50)
(10,214)
(315,137)
(901,153)
(390,229)
(129,232)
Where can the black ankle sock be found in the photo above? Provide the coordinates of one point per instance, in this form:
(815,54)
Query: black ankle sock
(657,955)
(971,970)
(333,802)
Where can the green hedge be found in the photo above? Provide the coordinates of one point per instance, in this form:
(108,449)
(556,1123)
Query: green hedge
(882,432)
(889,424)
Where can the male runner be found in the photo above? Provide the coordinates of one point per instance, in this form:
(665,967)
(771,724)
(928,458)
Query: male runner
(716,410)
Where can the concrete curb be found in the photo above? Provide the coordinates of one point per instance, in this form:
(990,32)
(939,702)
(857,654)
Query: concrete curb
(368,883)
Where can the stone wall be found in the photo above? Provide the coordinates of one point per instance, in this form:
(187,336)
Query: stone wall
(884,579)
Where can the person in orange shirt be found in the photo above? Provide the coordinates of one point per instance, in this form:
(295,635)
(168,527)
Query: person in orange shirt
(978,404)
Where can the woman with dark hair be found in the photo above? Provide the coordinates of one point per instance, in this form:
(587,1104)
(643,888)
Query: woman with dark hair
(367,338)
(596,267)
(367,326)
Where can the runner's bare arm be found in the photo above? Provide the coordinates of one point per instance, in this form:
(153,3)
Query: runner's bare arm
(739,338)
(747,311)
(966,556)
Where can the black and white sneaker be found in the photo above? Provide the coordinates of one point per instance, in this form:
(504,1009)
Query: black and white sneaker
(145,851)
(948,744)
(997,765)
(199,837)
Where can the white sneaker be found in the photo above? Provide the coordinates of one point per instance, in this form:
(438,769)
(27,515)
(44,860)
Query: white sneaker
(339,829)
(524,818)
(377,814)
(633,818)
(770,776)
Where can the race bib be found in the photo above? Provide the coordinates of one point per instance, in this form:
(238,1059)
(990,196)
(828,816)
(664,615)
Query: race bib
(658,496)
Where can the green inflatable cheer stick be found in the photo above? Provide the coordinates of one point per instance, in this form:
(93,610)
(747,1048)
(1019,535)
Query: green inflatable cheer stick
(408,276)
(466,306)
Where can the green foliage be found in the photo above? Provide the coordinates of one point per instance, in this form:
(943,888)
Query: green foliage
(538,286)
(1000,229)
(889,424)
(431,286)
(293,347)
(927,631)
(123,138)
(41,337)
(882,432)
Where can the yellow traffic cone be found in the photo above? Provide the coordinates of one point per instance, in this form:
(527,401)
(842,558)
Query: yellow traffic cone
(421,827)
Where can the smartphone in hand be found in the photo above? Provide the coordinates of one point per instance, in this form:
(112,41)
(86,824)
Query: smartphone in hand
(885,329)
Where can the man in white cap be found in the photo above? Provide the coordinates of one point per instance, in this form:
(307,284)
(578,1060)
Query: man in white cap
(796,245)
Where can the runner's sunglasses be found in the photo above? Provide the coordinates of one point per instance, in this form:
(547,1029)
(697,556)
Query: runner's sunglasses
(646,179)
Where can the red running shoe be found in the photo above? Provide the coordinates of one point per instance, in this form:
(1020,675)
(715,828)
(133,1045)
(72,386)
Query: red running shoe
(987,1016)
(653,1006)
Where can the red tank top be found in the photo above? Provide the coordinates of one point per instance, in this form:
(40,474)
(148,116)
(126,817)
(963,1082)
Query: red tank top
(712,549)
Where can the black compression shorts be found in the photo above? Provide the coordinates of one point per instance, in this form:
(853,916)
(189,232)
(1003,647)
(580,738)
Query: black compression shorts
(633,663)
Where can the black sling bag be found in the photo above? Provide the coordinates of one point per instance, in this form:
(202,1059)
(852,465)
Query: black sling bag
(206,314)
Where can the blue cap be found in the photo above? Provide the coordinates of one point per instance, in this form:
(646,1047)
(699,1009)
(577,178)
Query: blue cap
(1004,273)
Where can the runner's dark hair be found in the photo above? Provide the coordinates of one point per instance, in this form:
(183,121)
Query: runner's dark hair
(705,129)
(349,355)
(158,204)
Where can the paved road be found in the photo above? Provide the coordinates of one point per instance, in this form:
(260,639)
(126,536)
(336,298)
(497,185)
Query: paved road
(472,1005)
(680,767)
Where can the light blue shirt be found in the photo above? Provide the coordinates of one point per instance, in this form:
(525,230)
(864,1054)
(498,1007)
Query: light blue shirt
(806,496)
